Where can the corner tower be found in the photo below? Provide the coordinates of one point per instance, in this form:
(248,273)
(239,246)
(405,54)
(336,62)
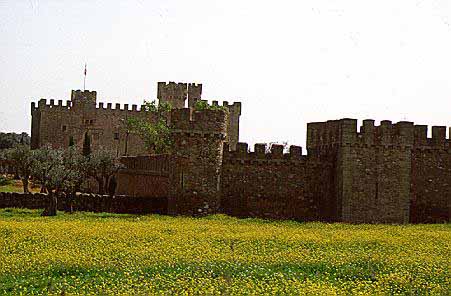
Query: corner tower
(198,138)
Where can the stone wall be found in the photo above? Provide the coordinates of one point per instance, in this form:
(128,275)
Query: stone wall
(431,176)
(196,164)
(391,173)
(275,185)
(54,124)
(87,202)
(145,176)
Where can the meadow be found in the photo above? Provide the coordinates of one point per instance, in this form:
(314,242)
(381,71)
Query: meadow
(85,253)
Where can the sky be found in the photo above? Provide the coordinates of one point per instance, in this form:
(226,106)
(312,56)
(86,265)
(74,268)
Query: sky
(288,62)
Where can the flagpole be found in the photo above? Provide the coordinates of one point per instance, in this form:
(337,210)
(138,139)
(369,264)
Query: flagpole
(84,80)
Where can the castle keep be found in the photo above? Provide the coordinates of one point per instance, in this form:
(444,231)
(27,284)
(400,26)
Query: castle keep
(54,124)
(391,173)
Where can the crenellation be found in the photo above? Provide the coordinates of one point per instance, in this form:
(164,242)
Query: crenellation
(194,93)
(173,93)
(390,173)
(348,131)
(276,151)
(242,149)
(439,136)
(404,133)
(368,131)
(260,150)
(295,152)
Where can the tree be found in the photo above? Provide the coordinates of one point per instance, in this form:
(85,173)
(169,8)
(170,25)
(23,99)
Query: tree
(87,145)
(10,140)
(45,160)
(154,130)
(20,159)
(71,141)
(76,168)
(102,165)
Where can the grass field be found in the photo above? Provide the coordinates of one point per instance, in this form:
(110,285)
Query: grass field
(87,253)
(16,186)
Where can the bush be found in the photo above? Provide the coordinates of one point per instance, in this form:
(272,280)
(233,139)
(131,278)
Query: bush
(4,181)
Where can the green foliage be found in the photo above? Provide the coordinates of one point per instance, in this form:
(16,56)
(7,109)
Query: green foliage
(4,180)
(10,140)
(102,165)
(20,159)
(154,130)
(203,105)
(87,145)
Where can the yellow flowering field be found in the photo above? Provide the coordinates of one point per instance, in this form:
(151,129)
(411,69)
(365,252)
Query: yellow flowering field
(111,254)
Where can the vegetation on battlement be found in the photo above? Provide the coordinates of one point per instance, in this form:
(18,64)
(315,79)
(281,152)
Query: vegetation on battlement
(203,105)
(153,130)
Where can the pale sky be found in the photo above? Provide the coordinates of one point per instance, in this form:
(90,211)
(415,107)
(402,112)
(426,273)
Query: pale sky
(288,62)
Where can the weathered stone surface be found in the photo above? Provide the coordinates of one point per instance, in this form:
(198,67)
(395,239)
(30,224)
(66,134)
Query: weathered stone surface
(391,173)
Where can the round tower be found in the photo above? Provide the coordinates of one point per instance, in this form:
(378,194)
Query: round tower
(198,138)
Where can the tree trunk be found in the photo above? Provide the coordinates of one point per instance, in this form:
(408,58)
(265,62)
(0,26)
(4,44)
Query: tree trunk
(25,185)
(52,205)
(101,186)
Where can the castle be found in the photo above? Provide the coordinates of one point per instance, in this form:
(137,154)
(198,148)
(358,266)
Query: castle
(391,173)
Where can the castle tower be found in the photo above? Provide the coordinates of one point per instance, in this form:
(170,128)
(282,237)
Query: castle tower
(172,93)
(194,94)
(83,100)
(196,163)
(372,168)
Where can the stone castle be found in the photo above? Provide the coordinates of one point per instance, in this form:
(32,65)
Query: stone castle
(391,173)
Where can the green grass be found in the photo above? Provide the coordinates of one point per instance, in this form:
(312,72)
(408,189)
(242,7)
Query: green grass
(86,253)
(16,186)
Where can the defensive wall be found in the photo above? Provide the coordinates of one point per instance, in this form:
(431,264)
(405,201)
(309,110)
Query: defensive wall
(55,122)
(391,173)
(387,173)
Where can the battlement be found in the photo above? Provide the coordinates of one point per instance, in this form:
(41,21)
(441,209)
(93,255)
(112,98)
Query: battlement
(204,121)
(234,108)
(173,93)
(403,133)
(83,95)
(243,153)
(43,104)
(194,93)
(119,107)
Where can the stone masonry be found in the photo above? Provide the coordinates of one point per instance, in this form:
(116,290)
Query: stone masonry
(54,124)
(391,173)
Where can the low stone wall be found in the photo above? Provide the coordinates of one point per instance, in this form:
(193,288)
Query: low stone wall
(87,202)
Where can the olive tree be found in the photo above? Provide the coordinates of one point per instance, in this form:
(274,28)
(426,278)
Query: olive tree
(101,166)
(20,159)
